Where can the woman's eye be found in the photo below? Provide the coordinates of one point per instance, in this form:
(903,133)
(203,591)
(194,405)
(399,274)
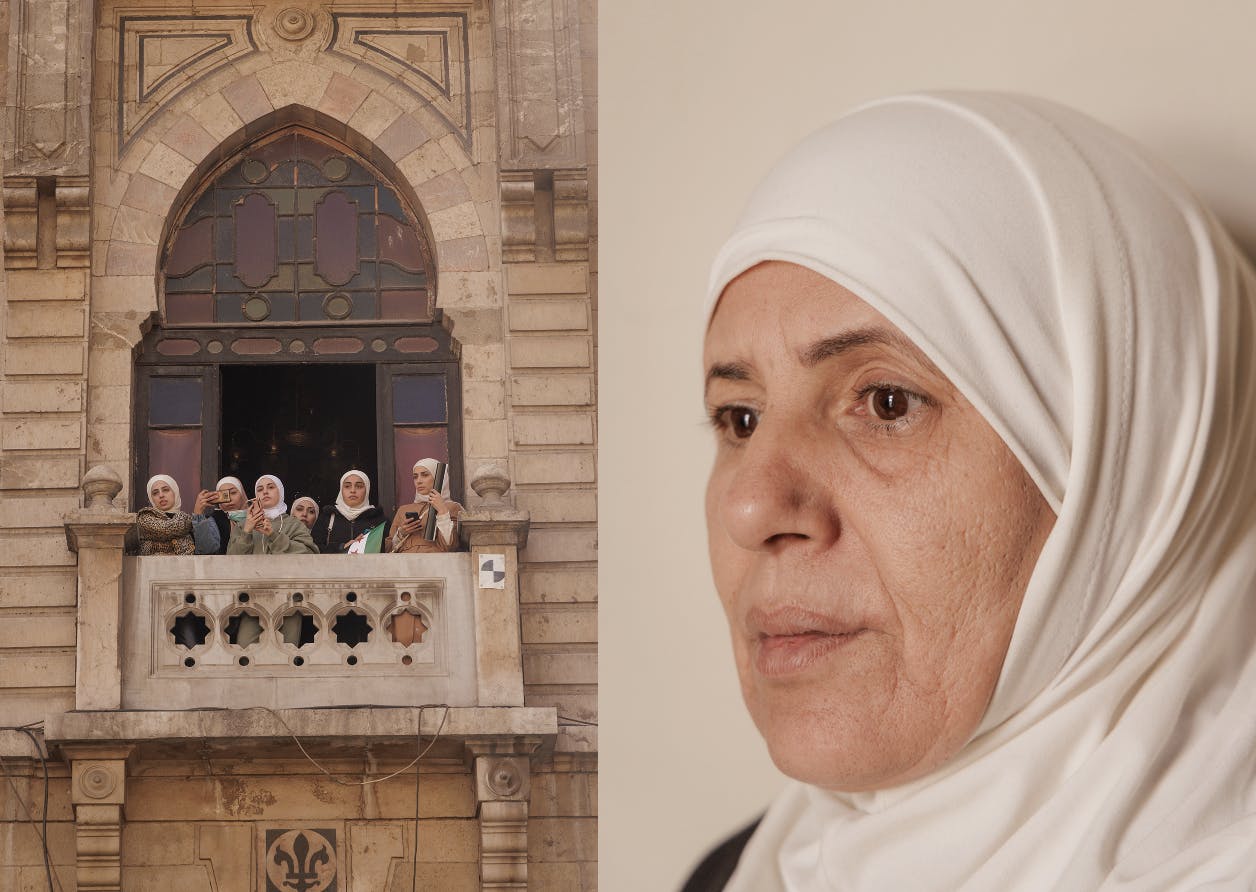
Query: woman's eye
(890,403)
(892,407)
(739,421)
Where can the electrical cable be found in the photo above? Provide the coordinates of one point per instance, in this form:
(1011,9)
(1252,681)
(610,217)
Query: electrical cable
(573,721)
(42,833)
(374,780)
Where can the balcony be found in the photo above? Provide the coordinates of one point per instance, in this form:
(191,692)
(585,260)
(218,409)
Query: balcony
(178,657)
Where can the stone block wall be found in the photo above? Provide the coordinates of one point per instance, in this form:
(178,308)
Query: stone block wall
(93,172)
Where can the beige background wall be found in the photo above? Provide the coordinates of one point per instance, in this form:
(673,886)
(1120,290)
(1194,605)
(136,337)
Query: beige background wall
(699,98)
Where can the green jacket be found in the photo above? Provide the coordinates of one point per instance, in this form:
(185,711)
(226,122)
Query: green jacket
(289,536)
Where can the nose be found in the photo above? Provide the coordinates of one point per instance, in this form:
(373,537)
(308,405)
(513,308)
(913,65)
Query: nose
(779,492)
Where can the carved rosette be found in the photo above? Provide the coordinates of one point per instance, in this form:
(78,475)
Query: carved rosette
(294,24)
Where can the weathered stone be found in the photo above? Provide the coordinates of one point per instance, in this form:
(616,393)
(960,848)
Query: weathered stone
(155,843)
(483,400)
(484,362)
(39,669)
(41,396)
(247,98)
(216,116)
(44,630)
(558,586)
(294,83)
(45,320)
(551,390)
(374,115)
(126,259)
(558,506)
(46,284)
(547,278)
(459,221)
(187,137)
(42,510)
(562,839)
(469,289)
(572,351)
(151,196)
(555,467)
(49,588)
(557,544)
(484,439)
(549,315)
(167,166)
(42,549)
(133,225)
(342,97)
(574,429)
(556,626)
(40,433)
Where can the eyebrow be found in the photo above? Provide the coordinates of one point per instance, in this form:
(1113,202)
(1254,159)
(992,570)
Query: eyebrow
(819,351)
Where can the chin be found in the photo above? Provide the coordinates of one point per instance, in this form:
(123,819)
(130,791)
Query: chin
(844,741)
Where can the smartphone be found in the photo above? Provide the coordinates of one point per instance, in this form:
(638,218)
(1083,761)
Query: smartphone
(412,515)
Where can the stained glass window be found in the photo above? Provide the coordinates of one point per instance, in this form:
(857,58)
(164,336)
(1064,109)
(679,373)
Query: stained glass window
(297,229)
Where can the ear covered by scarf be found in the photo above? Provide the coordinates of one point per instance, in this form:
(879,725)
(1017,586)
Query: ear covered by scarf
(1102,322)
(282,506)
(342,506)
(169,481)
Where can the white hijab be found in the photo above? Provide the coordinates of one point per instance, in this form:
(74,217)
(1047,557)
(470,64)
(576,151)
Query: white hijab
(343,507)
(1102,322)
(282,507)
(169,481)
(444,523)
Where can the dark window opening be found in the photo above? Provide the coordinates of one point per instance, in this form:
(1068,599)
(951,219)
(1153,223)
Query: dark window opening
(190,630)
(298,628)
(306,424)
(351,628)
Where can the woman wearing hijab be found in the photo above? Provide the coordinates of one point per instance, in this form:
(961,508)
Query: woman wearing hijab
(163,528)
(992,604)
(342,528)
(408,525)
(305,510)
(266,527)
(224,504)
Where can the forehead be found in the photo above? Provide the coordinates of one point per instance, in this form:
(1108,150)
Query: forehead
(776,310)
(354,478)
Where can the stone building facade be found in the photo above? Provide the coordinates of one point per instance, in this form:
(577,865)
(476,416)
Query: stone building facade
(246,768)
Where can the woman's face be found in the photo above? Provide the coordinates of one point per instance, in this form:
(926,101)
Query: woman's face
(871,537)
(306,513)
(232,498)
(162,496)
(353,488)
(267,493)
(422,481)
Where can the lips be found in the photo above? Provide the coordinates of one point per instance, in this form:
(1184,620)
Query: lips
(789,640)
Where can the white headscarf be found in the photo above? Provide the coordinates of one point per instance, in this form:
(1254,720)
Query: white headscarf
(169,481)
(313,504)
(1102,322)
(443,521)
(237,514)
(282,507)
(343,507)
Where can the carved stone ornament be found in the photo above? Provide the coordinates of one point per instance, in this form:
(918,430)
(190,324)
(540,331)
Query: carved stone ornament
(294,24)
(504,778)
(427,53)
(101,485)
(302,859)
(98,782)
(490,483)
(159,56)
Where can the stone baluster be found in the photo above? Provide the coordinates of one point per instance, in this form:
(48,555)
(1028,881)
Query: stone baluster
(96,534)
(495,531)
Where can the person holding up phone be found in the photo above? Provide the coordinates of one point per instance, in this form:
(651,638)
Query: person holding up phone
(409,532)
(223,504)
(267,528)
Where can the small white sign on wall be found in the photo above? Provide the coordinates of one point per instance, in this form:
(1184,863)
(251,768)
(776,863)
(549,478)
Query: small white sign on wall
(493,571)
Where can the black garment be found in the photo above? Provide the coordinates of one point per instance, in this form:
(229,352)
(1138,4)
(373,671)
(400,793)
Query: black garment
(718,866)
(223,522)
(332,531)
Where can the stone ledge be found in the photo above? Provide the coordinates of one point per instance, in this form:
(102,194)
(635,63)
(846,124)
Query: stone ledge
(382,724)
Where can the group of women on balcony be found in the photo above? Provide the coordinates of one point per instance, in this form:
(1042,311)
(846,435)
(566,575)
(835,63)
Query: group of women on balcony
(223,521)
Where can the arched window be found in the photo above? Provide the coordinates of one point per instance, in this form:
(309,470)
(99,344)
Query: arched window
(298,333)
